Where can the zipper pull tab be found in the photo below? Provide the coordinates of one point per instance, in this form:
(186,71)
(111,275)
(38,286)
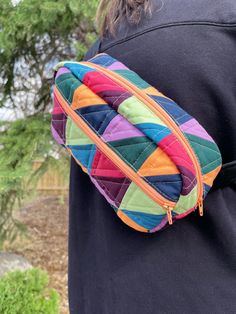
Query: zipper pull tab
(169,214)
(200,207)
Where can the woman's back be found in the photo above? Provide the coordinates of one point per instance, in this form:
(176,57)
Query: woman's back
(186,50)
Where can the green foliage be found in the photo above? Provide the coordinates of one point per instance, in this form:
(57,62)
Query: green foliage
(27,293)
(23,141)
(34,35)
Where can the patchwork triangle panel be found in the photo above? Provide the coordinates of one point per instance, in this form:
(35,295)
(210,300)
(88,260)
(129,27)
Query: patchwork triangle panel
(67,84)
(115,188)
(102,166)
(84,97)
(134,150)
(170,186)
(58,127)
(148,157)
(147,221)
(208,154)
(177,113)
(98,117)
(84,153)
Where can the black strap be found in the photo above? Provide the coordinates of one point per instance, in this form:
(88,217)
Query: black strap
(97,45)
(226,176)
(95,49)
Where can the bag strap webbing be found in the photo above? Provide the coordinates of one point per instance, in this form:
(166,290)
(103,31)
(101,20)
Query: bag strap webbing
(94,49)
(226,176)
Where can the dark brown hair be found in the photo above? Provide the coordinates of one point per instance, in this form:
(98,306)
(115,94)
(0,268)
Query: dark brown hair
(110,13)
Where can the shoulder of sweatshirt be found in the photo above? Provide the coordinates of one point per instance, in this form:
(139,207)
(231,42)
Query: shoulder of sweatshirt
(173,13)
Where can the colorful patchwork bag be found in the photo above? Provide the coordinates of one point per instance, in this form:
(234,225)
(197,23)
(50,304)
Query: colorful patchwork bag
(150,159)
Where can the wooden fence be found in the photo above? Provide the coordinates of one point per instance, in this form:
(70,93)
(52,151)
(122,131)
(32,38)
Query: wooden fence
(51,182)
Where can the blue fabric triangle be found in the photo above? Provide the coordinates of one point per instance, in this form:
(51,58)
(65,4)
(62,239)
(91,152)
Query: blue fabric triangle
(169,186)
(172,108)
(79,70)
(155,132)
(84,153)
(148,221)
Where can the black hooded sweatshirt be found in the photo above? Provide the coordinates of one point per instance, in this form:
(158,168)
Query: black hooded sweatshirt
(187,50)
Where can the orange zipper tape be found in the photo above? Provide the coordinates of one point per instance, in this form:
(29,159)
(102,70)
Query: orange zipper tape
(158,110)
(102,146)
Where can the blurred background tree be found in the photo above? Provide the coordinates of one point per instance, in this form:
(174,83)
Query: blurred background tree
(34,36)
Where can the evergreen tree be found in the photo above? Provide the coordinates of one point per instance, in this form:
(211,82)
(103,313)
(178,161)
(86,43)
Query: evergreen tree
(34,35)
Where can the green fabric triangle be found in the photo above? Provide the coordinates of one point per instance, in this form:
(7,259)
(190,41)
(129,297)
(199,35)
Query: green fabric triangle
(136,200)
(134,150)
(207,152)
(67,84)
(74,135)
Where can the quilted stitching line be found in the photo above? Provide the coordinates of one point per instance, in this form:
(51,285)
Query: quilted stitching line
(190,181)
(211,162)
(178,123)
(174,182)
(105,191)
(104,120)
(121,96)
(115,130)
(114,83)
(109,179)
(72,90)
(166,146)
(61,133)
(56,120)
(95,149)
(134,206)
(98,164)
(91,156)
(179,118)
(156,188)
(69,127)
(95,111)
(131,144)
(185,202)
(196,123)
(126,119)
(62,109)
(145,149)
(152,165)
(209,148)
(101,122)
(149,182)
(162,192)
(106,63)
(170,144)
(170,114)
(118,194)
(68,79)
(190,127)
(109,192)
(158,133)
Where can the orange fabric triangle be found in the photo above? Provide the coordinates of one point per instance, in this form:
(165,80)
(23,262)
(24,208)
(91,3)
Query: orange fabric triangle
(130,222)
(158,163)
(84,97)
(152,91)
(210,176)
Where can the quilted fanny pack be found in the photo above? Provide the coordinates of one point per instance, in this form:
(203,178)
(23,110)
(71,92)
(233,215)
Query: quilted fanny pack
(149,158)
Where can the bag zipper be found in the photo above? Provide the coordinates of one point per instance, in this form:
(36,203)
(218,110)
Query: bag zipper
(158,110)
(106,150)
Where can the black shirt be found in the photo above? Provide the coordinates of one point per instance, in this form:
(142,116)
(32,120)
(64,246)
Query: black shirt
(187,51)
